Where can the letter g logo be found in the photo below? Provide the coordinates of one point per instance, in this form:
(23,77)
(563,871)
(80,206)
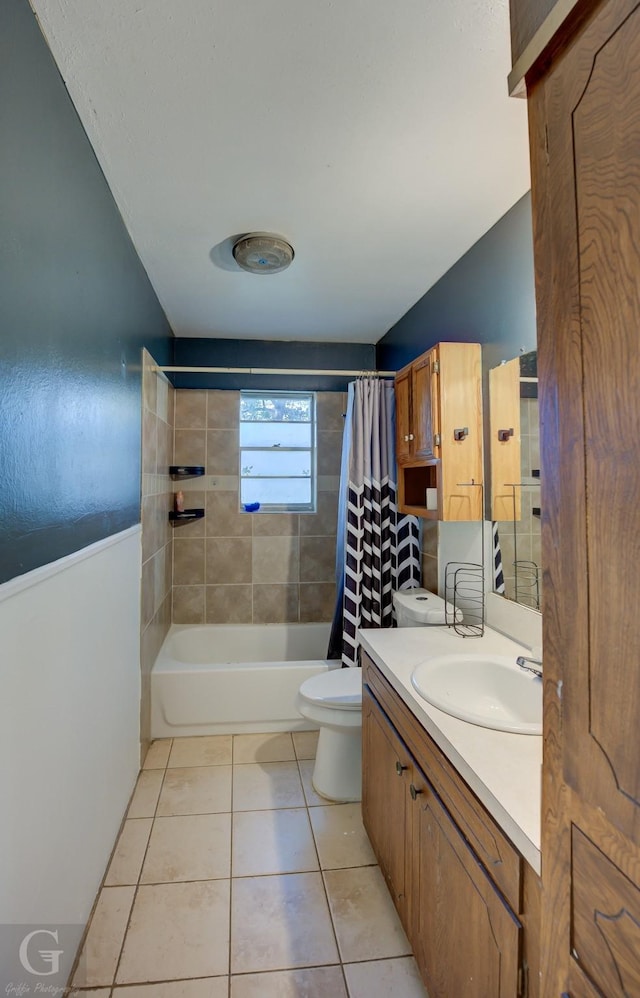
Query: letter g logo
(48,956)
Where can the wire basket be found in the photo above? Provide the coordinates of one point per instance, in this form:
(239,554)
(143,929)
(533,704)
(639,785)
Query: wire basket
(465,598)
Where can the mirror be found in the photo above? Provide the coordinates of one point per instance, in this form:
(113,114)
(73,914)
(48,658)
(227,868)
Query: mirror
(515,479)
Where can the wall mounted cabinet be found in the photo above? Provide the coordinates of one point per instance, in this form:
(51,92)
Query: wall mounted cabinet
(468,901)
(439,433)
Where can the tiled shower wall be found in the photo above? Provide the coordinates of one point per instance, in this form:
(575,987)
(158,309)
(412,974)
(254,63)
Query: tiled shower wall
(236,567)
(157,446)
(429,555)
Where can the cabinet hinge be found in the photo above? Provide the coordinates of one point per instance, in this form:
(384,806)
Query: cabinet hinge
(523,981)
(437,440)
(436,367)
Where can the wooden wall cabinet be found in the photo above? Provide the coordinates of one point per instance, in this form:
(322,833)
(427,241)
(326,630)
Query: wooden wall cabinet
(504,430)
(439,433)
(467,900)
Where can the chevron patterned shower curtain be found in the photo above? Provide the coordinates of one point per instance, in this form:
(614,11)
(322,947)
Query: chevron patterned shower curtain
(381,548)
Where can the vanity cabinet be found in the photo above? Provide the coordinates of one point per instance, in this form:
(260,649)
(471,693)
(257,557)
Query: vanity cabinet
(466,898)
(439,433)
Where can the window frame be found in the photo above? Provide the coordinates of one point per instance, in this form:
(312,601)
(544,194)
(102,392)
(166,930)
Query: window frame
(312,450)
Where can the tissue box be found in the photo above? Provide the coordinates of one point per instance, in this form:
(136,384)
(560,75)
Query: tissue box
(432,498)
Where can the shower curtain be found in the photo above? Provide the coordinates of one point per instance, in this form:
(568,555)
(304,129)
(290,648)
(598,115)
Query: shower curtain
(378,550)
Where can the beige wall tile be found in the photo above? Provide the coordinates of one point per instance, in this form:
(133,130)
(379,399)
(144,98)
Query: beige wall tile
(330,410)
(229,604)
(317,559)
(228,560)
(222,452)
(147,608)
(191,409)
(325,521)
(149,381)
(223,518)
(317,601)
(164,390)
(192,500)
(149,442)
(188,561)
(275,604)
(223,410)
(190,447)
(165,447)
(274,524)
(430,573)
(275,559)
(329,452)
(328,483)
(430,537)
(188,604)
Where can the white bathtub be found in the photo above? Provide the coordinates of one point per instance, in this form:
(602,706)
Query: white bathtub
(232,678)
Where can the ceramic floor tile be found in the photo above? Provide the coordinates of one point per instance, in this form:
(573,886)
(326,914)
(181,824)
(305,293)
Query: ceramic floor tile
(305,744)
(206,987)
(158,754)
(340,836)
(381,978)
(145,797)
(306,773)
(280,923)
(214,750)
(268,842)
(317,982)
(272,784)
(367,924)
(197,790)
(263,748)
(189,847)
(91,993)
(177,931)
(129,853)
(101,950)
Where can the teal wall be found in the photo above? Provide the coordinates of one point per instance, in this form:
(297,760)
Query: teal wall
(76,308)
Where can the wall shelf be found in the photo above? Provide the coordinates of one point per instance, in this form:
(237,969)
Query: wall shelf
(185,516)
(178,471)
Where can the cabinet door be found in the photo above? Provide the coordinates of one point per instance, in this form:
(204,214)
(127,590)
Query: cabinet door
(424,393)
(585,136)
(403,416)
(385,780)
(465,938)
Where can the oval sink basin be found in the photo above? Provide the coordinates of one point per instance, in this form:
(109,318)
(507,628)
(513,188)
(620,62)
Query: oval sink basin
(489,690)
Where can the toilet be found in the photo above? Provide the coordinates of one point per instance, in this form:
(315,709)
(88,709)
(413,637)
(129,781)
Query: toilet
(333,701)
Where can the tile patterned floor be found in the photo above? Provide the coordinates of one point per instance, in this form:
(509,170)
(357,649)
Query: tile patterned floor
(232,878)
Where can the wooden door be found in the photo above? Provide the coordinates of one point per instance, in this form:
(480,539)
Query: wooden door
(424,390)
(385,780)
(585,137)
(465,939)
(403,416)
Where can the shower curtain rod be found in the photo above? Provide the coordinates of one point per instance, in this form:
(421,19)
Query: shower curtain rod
(275,370)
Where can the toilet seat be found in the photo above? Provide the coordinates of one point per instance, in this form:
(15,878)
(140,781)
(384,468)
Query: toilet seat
(338,689)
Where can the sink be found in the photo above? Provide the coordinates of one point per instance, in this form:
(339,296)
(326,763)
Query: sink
(489,690)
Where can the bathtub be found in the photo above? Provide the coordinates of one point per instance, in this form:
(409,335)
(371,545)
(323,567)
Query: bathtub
(232,678)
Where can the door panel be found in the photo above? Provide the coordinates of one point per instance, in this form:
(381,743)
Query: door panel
(403,416)
(425,406)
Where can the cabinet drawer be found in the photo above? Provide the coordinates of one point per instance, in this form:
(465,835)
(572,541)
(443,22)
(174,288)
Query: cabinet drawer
(499,857)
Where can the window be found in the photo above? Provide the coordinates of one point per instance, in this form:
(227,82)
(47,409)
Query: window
(278,450)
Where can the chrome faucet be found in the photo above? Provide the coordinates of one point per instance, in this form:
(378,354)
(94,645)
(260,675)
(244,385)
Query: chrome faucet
(534,666)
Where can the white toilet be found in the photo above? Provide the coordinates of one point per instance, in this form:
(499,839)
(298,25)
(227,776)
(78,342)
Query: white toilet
(333,701)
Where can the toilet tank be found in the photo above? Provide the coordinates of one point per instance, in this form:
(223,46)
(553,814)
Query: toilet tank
(420,608)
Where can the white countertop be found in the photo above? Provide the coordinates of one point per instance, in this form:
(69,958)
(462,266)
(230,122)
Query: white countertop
(503,770)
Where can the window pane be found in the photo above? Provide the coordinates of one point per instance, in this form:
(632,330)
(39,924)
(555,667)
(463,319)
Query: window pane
(267,408)
(268,434)
(279,491)
(254,463)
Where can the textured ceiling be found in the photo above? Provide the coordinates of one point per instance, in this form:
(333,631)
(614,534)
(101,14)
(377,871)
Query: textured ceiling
(377,137)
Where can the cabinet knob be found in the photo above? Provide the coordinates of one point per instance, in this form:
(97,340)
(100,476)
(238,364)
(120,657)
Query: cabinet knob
(411,436)
(406,436)
(400,768)
(414,793)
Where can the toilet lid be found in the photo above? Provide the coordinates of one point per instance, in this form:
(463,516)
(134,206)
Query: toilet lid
(338,688)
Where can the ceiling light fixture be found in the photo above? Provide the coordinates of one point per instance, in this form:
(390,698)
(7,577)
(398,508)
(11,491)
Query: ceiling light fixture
(263,253)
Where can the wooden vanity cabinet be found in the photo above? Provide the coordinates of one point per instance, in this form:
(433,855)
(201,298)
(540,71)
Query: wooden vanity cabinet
(439,433)
(464,894)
